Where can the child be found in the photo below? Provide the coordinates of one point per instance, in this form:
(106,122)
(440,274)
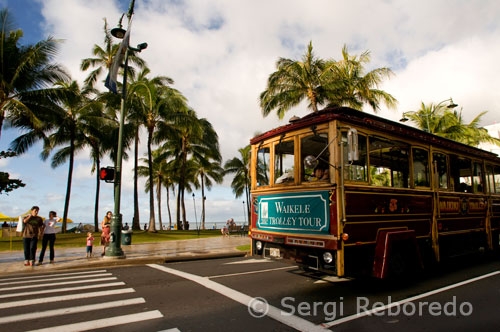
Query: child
(90,243)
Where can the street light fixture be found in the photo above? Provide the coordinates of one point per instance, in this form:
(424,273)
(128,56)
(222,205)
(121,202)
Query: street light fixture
(450,105)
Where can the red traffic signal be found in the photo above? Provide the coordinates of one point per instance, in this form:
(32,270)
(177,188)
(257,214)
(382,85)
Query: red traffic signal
(107,174)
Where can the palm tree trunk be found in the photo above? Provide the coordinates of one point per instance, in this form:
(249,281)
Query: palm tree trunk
(2,117)
(158,197)
(136,224)
(184,224)
(68,188)
(202,200)
(178,208)
(168,208)
(152,226)
(97,190)
(249,204)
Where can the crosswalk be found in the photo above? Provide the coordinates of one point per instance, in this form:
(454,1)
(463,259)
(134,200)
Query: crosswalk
(75,301)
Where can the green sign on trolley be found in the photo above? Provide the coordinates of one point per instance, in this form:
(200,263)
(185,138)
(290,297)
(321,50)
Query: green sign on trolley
(294,212)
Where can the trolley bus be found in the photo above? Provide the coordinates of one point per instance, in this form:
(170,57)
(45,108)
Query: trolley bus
(347,193)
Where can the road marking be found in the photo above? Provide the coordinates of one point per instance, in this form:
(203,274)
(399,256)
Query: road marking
(55,279)
(331,279)
(171,330)
(410,299)
(102,323)
(71,310)
(59,290)
(273,312)
(252,260)
(57,284)
(65,298)
(49,275)
(251,272)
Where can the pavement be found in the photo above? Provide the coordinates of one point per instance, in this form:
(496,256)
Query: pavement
(12,262)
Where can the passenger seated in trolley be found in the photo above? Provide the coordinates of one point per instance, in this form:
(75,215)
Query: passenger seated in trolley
(321,173)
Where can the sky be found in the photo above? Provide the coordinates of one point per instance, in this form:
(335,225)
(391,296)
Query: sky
(220,54)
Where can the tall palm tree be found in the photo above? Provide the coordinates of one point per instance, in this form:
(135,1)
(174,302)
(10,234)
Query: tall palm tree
(160,176)
(27,73)
(294,81)
(348,85)
(241,181)
(440,120)
(208,171)
(158,101)
(72,117)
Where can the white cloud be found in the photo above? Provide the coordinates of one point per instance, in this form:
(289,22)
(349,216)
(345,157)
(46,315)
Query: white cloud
(221,52)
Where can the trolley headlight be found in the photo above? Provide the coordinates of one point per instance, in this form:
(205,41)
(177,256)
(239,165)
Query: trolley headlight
(258,245)
(328,257)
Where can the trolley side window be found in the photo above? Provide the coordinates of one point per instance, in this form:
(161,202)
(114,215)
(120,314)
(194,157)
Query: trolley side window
(263,167)
(389,163)
(461,174)
(490,179)
(497,179)
(284,160)
(315,146)
(477,178)
(356,170)
(421,168)
(442,169)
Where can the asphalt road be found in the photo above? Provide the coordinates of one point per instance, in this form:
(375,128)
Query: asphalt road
(213,295)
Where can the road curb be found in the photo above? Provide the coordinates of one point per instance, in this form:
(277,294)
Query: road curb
(111,263)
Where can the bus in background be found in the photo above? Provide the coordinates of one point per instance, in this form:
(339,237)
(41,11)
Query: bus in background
(348,193)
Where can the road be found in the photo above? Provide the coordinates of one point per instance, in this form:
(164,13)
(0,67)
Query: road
(213,295)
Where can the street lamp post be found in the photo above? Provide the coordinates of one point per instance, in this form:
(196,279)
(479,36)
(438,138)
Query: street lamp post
(114,250)
(427,129)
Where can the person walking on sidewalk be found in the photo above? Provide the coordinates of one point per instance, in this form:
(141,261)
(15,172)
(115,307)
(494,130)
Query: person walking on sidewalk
(90,243)
(49,236)
(105,225)
(33,228)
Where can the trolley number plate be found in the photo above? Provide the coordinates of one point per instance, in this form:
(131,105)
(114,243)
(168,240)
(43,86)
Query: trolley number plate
(274,252)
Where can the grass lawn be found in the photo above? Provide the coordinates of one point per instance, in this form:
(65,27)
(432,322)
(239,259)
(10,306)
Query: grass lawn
(71,240)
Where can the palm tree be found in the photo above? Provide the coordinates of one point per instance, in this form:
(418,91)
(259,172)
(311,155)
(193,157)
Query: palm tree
(72,117)
(158,101)
(241,181)
(292,82)
(27,72)
(348,85)
(207,170)
(440,120)
(160,176)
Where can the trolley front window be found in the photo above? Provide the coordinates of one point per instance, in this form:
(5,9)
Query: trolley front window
(284,160)
(356,170)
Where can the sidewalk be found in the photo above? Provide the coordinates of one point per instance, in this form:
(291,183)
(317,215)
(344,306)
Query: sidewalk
(145,253)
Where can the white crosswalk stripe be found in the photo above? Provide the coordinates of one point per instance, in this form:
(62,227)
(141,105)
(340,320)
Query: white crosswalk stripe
(43,297)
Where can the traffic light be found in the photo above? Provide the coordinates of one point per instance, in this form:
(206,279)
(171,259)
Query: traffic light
(107,174)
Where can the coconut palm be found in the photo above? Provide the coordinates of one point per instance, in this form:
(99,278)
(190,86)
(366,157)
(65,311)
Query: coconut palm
(294,81)
(158,102)
(348,85)
(208,171)
(71,118)
(27,73)
(440,120)
(241,181)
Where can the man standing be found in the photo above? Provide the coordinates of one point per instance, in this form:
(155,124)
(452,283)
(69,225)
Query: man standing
(33,226)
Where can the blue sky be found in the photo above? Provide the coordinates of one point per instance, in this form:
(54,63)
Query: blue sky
(221,52)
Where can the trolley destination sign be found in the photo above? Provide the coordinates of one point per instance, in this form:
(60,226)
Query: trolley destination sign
(294,212)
